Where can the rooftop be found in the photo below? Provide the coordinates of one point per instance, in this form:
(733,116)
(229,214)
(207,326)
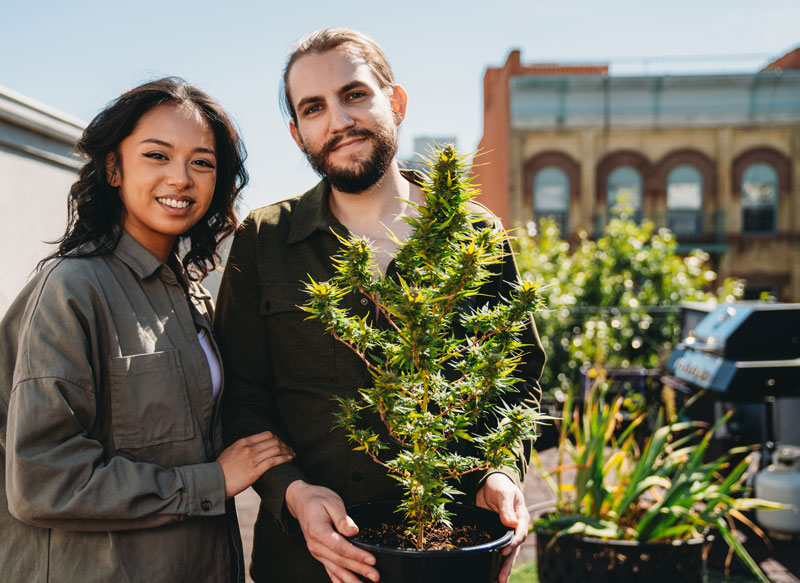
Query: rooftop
(658,91)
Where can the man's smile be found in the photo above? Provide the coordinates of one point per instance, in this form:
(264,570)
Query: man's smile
(349,143)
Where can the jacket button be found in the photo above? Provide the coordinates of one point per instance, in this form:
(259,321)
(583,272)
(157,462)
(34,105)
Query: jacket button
(364,301)
(206,505)
(356,476)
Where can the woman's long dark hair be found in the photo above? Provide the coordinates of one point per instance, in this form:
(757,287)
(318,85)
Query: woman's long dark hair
(95,209)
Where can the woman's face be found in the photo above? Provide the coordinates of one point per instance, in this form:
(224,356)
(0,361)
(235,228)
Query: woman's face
(166,175)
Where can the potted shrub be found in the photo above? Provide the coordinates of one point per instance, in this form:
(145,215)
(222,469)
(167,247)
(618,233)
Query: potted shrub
(633,513)
(613,298)
(440,366)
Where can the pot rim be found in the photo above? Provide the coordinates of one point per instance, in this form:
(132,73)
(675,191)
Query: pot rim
(487,546)
(698,540)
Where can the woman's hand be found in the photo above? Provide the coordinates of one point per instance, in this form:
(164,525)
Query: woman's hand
(247,459)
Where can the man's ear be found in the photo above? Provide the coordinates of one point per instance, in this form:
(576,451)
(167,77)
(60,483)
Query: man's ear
(399,100)
(112,170)
(298,139)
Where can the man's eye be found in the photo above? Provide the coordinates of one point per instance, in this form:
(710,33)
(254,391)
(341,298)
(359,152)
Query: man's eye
(356,95)
(312,109)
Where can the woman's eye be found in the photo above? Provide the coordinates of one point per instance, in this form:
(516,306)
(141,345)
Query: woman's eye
(155,155)
(204,163)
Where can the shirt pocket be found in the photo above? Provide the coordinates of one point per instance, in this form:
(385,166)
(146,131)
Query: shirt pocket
(302,351)
(149,400)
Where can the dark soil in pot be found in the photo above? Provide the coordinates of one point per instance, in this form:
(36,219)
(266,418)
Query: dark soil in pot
(478,563)
(571,559)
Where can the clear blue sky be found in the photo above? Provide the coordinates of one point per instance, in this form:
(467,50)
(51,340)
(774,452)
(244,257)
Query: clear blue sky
(77,55)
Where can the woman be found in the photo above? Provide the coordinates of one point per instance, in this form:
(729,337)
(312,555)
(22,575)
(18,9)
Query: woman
(114,469)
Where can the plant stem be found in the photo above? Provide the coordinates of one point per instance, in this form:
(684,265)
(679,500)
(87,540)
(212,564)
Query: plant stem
(360,354)
(473,343)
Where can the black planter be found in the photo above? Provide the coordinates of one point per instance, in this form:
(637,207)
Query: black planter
(478,564)
(572,559)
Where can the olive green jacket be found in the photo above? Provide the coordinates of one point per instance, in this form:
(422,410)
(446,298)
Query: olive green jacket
(108,429)
(283,370)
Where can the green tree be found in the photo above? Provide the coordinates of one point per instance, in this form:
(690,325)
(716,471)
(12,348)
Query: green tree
(612,302)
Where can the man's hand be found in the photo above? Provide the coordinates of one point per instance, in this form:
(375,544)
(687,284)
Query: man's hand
(325,523)
(501,495)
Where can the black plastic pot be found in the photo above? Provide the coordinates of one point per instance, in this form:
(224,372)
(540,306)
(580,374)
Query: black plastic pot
(572,559)
(478,564)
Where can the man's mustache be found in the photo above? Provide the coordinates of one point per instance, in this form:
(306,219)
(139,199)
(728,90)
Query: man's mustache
(331,144)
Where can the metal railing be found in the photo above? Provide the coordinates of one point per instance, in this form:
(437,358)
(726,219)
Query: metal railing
(679,65)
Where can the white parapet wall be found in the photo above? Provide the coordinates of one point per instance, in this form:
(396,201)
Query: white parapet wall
(37,167)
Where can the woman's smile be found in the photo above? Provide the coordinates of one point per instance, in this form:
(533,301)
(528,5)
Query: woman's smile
(175,204)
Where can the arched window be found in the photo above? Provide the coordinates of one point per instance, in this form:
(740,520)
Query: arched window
(759,199)
(685,200)
(624,192)
(551,196)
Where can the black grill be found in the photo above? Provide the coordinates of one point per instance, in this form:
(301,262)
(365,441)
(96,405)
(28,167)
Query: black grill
(745,352)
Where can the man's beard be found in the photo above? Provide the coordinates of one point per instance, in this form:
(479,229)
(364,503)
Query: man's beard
(362,174)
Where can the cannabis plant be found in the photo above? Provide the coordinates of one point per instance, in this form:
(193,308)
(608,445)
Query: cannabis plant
(665,491)
(439,369)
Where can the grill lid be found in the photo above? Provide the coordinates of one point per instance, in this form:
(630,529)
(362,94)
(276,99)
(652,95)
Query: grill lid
(747,351)
(749,332)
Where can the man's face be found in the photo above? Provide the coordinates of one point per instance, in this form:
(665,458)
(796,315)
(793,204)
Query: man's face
(346,124)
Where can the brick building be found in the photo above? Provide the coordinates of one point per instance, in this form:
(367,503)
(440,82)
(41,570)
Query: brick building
(710,149)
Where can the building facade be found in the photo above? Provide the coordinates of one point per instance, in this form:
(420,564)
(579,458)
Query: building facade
(713,155)
(37,167)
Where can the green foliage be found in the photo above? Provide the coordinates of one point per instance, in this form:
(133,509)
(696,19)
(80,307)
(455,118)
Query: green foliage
(612,301)
(439,370)
(664,491)
(524,573)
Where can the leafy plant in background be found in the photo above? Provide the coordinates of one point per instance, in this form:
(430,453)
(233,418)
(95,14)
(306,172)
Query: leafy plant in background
(664,491)
(439,370)
(612,301)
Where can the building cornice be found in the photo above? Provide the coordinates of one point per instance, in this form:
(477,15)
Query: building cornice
(58,159)
(31,115)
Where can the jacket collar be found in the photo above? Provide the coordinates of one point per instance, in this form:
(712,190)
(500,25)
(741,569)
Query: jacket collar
(134,255)
(314,213)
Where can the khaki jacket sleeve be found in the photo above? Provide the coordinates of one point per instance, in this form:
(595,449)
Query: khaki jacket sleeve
(249,405)
(57,474)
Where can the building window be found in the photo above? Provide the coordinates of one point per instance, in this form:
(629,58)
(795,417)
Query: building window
(685,200)
(759,199)
(624,192)
(551,196)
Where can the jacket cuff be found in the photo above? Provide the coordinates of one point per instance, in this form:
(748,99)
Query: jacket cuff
(272,489)
(204,486)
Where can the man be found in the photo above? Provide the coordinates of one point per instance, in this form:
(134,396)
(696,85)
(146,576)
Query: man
(282,370)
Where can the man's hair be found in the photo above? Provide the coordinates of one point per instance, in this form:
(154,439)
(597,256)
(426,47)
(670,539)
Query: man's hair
(322,41)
